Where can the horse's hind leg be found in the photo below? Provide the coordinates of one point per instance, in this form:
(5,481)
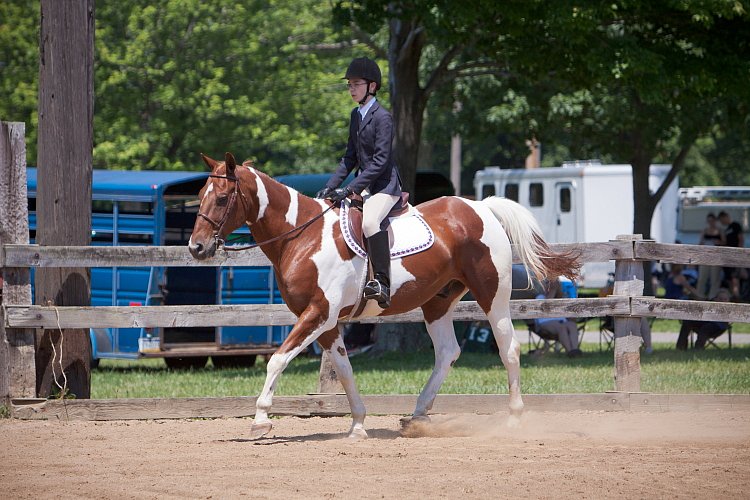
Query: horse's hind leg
(494,298)
(438,314)
(510,351)
(344,372)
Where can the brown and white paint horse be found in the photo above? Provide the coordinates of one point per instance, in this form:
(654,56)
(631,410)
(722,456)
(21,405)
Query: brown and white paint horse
(318,275)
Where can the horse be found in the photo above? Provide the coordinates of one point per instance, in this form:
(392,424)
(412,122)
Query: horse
(319,276)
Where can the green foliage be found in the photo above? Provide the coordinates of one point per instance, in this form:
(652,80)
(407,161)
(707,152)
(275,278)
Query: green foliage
(261,78)
(19,66)
(187,77)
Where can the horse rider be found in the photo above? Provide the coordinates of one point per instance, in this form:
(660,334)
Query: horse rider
(369,153)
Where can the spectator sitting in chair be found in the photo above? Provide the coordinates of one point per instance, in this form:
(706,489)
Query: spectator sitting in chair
(704,330)
(563,330)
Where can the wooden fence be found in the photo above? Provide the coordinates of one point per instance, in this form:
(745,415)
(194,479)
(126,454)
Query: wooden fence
(626,304)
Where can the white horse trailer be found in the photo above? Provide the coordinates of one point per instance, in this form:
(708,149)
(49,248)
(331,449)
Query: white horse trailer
(584,202)
(699,201)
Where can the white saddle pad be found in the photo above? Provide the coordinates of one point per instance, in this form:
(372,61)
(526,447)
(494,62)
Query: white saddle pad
(409,233)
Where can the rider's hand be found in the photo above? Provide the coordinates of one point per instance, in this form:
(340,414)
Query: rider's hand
(324,193)
(339,194)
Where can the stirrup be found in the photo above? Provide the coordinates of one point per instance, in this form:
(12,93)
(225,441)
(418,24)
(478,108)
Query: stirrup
(374,289)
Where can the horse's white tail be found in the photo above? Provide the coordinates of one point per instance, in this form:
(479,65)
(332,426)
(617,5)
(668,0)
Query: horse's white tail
(528,241)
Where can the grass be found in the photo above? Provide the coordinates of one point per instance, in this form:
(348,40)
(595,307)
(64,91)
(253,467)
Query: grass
(713,371)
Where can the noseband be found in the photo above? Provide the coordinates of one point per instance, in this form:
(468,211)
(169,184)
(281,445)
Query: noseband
(218,226)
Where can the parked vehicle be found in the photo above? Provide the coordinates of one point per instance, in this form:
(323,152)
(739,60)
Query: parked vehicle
(159,208)
(582,201)
(697,202)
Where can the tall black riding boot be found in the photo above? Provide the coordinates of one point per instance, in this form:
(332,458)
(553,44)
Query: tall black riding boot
(379,288)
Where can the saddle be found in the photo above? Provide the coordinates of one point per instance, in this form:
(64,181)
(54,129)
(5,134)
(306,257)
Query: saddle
(408,232)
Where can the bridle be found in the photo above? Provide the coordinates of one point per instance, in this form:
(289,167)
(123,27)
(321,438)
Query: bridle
(218,226)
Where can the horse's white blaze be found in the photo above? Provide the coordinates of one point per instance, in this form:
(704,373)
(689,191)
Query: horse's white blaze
(208,189)
(291,212)
(261,193)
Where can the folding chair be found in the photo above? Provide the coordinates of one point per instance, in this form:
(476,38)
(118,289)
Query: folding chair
(712,341)
(606,332)
(540,343)
(544,342)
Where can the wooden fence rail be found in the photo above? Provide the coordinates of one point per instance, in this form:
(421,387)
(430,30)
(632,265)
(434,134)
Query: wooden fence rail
(626,304)
(169,256)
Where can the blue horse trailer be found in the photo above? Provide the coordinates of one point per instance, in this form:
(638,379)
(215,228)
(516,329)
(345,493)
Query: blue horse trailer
(159,208)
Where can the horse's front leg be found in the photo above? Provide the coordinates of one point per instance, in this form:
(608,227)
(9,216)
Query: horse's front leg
(333,343)
(310,325)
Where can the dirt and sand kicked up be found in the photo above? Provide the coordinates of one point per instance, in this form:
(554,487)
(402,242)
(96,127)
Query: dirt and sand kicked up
(585,454)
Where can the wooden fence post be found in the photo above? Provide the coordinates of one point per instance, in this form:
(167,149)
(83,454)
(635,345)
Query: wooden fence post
(64,162)
(328,382)
(628,340)
(17,370)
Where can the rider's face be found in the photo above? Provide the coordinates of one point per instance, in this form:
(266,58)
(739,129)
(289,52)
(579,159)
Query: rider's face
(357,88)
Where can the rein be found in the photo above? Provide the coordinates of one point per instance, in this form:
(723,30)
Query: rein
(219,225)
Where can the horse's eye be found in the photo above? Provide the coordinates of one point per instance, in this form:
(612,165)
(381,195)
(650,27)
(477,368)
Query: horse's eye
(221,201)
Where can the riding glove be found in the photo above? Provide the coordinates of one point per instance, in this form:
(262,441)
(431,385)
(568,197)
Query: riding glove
(323,193)
(339,194)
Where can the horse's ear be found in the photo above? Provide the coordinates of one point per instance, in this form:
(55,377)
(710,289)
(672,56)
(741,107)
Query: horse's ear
(210,162)
(248,163)
(230,162)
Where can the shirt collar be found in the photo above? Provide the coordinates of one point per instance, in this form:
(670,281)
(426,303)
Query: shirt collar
(364,109)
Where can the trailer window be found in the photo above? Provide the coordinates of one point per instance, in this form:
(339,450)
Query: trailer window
(565,199)
(488,190)
(536,194)
(511,192)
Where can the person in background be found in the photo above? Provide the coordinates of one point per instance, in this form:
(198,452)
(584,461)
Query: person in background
(563,330)
(710,275)
(704,330)
(677,285)
(733,237)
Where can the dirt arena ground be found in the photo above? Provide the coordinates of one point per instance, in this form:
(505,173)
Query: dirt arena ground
(580,454)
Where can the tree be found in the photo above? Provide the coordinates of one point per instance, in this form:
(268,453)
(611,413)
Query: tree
(19,66)
(182,77)
(430,45)
(648,80)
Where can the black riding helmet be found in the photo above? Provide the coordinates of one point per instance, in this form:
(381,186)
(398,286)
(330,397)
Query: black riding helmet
(368,70)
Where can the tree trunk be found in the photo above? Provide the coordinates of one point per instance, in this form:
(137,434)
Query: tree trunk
(66,104)
(407,97)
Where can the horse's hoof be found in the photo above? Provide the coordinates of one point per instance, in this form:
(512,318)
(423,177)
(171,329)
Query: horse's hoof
(418,419)
(514,421)
(258,430)
(415,426)
(358,434)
